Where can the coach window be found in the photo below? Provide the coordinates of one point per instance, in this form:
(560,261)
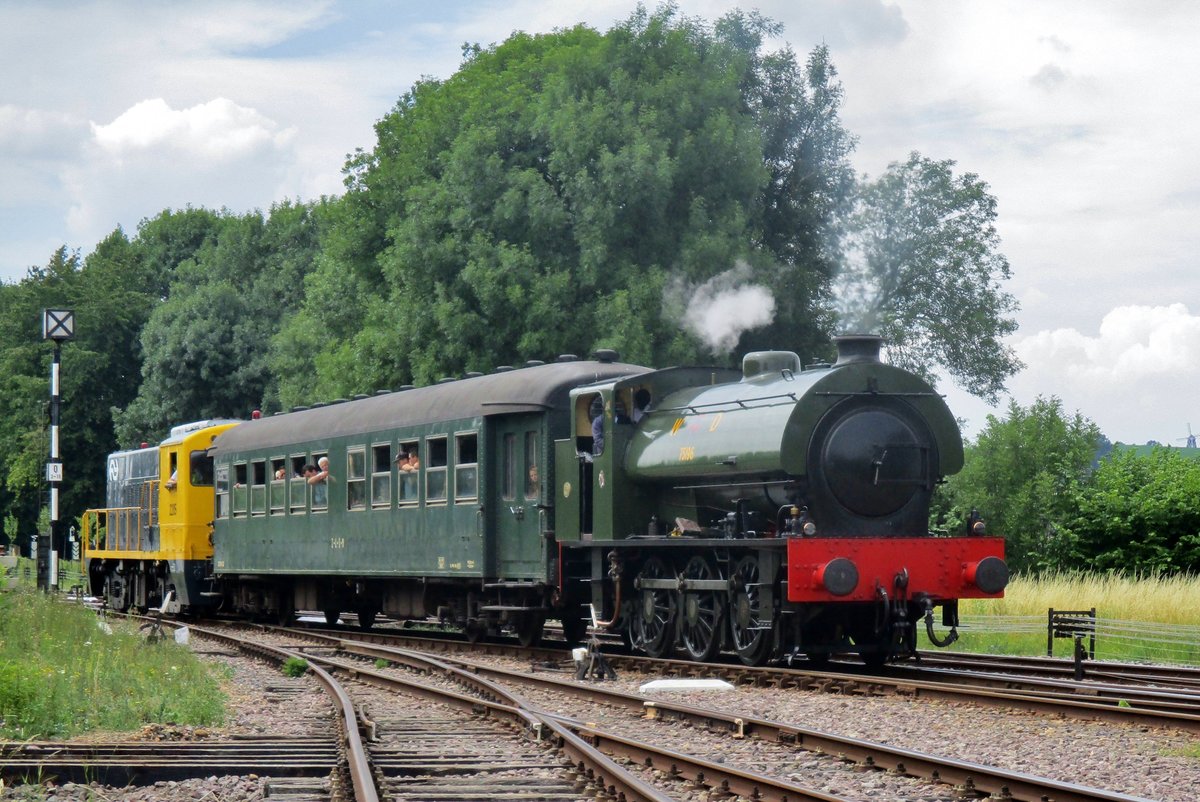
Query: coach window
(381,475)
(409,458)
(258,487)
(240,490)
(466,467)
(222,480)
(508,481)
(277,486)
(356,478)
(296,483)
(320,490)
(532,477)
(435,469)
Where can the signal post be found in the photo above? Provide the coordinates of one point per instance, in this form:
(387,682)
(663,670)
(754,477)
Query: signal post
(58,326)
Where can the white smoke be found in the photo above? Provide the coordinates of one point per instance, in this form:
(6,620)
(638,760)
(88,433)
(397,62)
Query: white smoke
(720,309)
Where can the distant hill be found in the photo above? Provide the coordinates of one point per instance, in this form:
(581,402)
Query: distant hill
(1190,453)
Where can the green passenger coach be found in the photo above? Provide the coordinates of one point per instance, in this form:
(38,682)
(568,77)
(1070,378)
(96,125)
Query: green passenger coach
(436,501)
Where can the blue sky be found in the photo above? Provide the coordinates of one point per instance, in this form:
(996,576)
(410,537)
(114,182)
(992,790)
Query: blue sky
(1080,115)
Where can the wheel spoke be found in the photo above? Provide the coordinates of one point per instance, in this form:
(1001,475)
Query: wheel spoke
(703,613)
(751,638)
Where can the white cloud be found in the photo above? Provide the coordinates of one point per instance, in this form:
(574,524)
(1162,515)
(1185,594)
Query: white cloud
(1134,344)
(27,133)
(1136,377)
(216,154)
(219,129)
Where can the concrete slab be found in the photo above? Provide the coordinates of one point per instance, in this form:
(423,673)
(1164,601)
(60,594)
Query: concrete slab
(686,685)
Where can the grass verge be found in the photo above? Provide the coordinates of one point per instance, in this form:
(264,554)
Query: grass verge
(1138,618)
(63,672)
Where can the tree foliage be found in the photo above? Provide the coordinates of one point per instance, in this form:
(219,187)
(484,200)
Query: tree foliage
(926,273)
(1023,474)
(107,293)
(543,198)
(207,347)
(559,193)
(1139,514)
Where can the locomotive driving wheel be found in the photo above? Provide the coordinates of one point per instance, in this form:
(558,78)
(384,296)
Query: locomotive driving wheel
(655,612)
(703,613)
(748,628)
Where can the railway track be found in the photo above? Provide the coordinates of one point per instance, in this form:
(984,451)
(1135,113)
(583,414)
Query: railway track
(1177,677)
(964,778)
(1128,703)
(474,738)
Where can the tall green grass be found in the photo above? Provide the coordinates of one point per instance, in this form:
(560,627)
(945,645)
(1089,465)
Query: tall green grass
(63,673)
(1138,618)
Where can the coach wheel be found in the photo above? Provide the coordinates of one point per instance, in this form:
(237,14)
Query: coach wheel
(285,613)
(366,618)
(748,627)
(332,615)
(474,630)
(654,615)
(703,613)
(529,628)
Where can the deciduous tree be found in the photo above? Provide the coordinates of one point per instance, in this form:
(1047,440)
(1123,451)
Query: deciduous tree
(1023,474)
(925,270)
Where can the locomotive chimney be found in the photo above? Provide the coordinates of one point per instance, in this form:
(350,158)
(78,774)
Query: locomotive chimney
(855,348)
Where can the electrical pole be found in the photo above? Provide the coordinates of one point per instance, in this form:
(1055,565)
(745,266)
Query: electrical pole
(58,325)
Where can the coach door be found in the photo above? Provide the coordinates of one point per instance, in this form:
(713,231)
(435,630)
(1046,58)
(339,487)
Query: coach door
(517,515)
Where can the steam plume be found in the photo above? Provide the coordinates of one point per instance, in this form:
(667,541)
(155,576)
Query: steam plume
(720,309)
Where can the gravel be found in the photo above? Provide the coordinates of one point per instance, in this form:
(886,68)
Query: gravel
(1158,763)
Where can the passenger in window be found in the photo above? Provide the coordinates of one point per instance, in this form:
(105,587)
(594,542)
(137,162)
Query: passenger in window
(641,404)
(280,473)
(619,415)
(597,414)
(408,462)
(318,481)
(322,472)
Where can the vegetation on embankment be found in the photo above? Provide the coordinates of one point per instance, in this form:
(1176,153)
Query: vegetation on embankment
(64,671)
(1155,619)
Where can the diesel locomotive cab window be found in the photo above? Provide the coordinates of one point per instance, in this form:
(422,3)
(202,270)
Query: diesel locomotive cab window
(466,467)
(435,469)
(222,480)
(201,471)
(356,478)
(381,475)
(532,478)
(258,487)
(240,490)
(296,483)
(408,469)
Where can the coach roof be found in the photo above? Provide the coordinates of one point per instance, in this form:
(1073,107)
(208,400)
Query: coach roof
(528,389)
